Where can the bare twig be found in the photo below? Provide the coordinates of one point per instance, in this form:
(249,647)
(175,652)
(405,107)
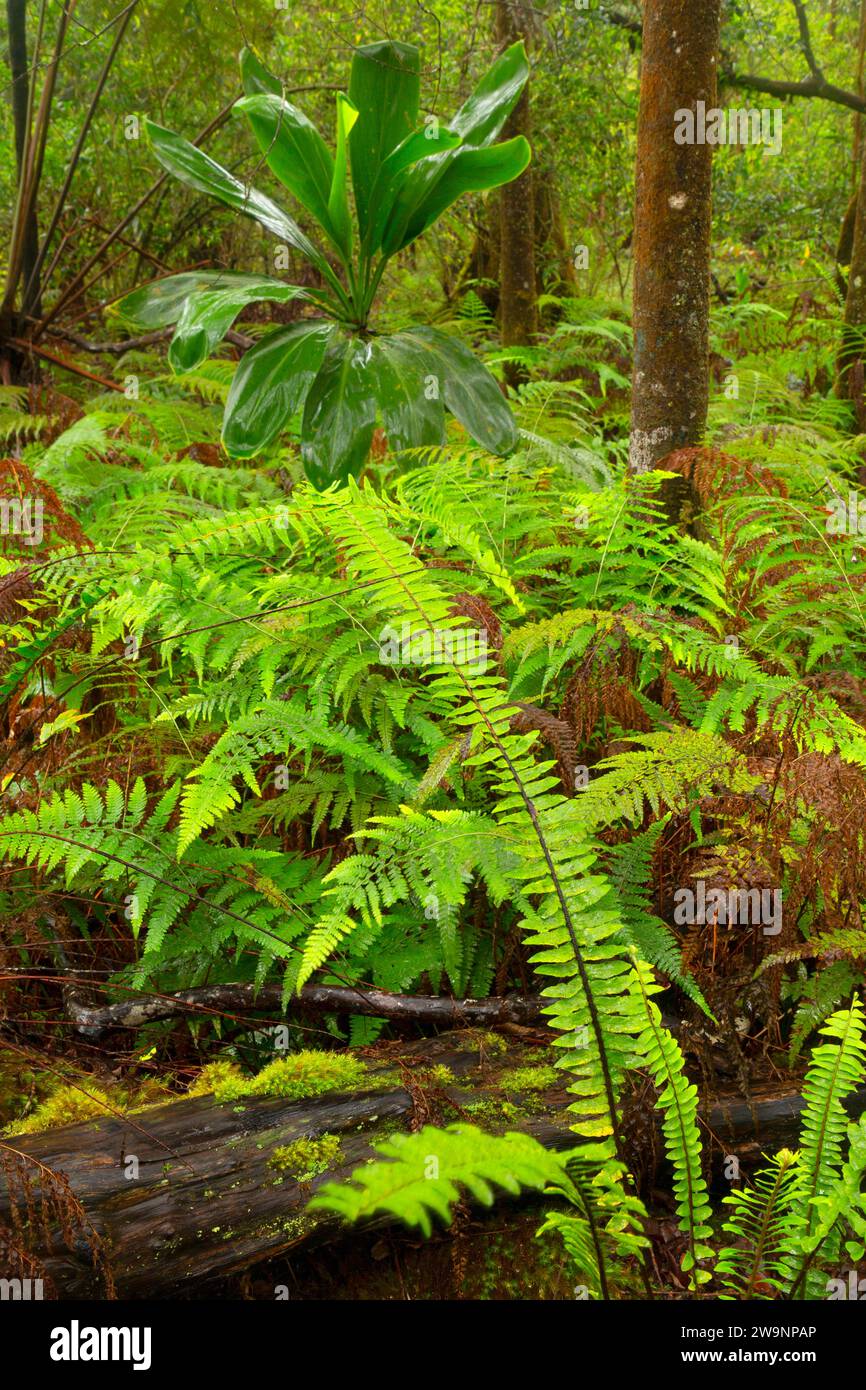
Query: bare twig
(79,145)
(66,364)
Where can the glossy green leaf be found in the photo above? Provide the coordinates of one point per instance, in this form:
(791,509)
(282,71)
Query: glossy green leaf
(384,88)
(338,200)
(407,392)
(469,391)
(339,414)
(255,77)
(404,178)
(481,118)
(295,152)
(197,170)
(424,143)
(161,303)
(271,383)
(209,314)
(434,185)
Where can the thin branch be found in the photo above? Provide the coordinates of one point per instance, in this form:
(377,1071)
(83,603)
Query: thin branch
(623,21)
(25,205)
(79,144)
(806,41)
(131,344)
(127,345)
(809,87)
(78,279)
(814,86)
(219,120)
(67,365)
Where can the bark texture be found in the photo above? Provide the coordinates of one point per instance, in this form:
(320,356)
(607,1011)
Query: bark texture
(554,254)
(853,351)
(672,233)
(845,245)
(16,18)
(515,1009)
(206,1202)
(518,305)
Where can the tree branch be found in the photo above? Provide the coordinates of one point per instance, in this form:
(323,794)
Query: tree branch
(816,85)
(806,41)
(623,21)
(809,87)
(65,364)
(129,344)
(372,1003)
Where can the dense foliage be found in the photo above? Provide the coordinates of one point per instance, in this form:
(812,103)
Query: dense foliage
(305,681)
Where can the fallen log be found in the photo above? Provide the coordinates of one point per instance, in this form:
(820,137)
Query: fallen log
(203,1201)
(519,1009)
(185,1194)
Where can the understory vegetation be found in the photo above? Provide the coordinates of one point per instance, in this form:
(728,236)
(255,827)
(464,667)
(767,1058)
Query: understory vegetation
(351,693)
(216,771)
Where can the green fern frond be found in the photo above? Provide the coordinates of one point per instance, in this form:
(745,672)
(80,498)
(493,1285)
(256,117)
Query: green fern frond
(763,1223)
(427,1171)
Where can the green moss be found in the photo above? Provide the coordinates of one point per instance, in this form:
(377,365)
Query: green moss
(66,1106)
(530,1078)
(482,1039)
(493,1112)
(69,1105)
(441,1075)
(213,1076)
(298,1077)
(306,1158)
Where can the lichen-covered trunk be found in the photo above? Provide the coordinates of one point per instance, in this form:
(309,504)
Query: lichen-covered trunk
(518,305)
(672,232)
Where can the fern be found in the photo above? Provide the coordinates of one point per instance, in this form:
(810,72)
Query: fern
(762,1221)
(427,1170)
(836,1068)
(425,1173)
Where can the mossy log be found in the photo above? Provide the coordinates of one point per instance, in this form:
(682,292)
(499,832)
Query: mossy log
(187,1194)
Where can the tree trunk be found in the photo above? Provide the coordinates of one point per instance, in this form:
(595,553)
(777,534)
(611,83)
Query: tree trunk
(853,350)
(845,246)
(554,255)
(15,12)
(518,318)
(672,234)
(858,119)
